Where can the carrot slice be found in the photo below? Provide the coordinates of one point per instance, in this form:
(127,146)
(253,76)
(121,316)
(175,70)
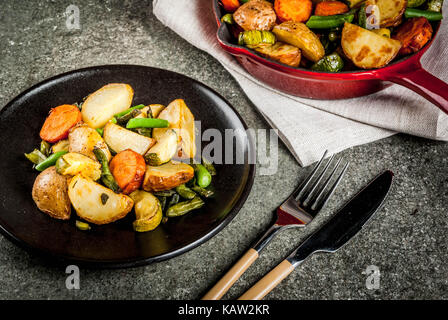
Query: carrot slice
(59,122)
(230,5)
(293,10)
(330,8)
(128,168)
(413,34)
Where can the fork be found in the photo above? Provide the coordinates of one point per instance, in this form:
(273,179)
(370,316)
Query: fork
(297,211)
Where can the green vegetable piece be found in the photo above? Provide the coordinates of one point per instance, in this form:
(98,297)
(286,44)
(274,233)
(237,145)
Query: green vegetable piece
(415,3)
(185,192)
(182,208)
(147,132)
(45,148)
(228,18)
(435,5)
(100,131)
(128,116)
(203,192)
(106,176)
(120,114)
(362,16)
(209,166)
(327,22)
(104,198)
(82,225)
(174,200)
(113,120)
(165,193)
(162,201)
(147,123)
(50,161)
(203,177)
(256,37)
(430,15)
(333,36)
(330,63)
(35,156)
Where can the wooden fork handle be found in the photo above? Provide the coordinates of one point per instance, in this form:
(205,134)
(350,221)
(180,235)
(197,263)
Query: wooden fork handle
(231,276)
(268,282)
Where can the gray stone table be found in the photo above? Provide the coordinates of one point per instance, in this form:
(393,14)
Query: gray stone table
(406,240)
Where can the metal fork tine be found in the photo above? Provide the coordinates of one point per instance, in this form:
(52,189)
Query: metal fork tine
(308,179)
(316,205)
(316,183)
(318,197)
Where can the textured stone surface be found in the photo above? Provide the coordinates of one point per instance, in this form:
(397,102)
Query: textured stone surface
(406,240)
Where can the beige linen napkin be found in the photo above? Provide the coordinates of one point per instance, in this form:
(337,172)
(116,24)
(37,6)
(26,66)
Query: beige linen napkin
(308,127)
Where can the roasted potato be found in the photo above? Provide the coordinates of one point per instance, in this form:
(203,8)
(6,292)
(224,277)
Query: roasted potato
(148,211)
(390,11)
(167,176)
(120,139)
(72,164)
(82,139)
(281,52)
(413,34)
(255,15)
(96,203)
(300,36)
(50,194)
(62,145)
(367,49)
(101,105)
(164,149)
(156,109)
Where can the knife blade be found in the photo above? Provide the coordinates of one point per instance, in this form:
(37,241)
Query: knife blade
(342,227)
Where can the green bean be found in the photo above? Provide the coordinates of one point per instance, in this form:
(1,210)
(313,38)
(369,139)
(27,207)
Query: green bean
(162,201)
(45,148)
(209,166)
(430,15)
(203,177)
(128,116)
(106,176)
(82,225)
(174,200)
(228,18)
(203,192)
(415,3)
(100,131)
(327,22)
(35,156)
(147,132)
(147,123)
(50,161)
(182,208)
(185,192)
(164,193)
(120,114)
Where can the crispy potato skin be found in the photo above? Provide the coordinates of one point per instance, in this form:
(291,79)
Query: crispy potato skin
(281,52)
(167,176)
(391,11)
(50,194)
(255,15)
(82,139)
(413,35)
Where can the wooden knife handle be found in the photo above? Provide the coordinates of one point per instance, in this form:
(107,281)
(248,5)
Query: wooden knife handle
(268,282)
(231,276)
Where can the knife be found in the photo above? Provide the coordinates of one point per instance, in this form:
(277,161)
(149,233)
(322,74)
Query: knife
(345,224)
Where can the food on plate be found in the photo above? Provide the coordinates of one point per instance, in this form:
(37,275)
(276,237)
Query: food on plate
(313,34)
(106,158)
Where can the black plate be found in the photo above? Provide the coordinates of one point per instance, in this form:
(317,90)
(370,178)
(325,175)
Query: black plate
(116,244)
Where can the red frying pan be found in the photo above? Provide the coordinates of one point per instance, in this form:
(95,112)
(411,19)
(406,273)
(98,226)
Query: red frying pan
(305,83)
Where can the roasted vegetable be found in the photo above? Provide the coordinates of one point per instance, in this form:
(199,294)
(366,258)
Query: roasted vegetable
(206,193)
(128,168)
(155,110)
(96,203)
(281,52)
(228,18)
(293,10)
(255,15)
(413,35)
(230,5)
(415,3)
(299,35)
(256,38)
(430,15)
(203,177)
(73,164)
(390,12)
(185,192)
(50,194)
(435,5)
(367,49)
(164,149)
(147,123)
(83,139)
(62,145)
(120,139)
(106,176)
(148,211)
(354,3)
(322,22)
(59,122)
(182,208)
(209,166)
(330,8)
(330,63)
(35,156)
(45,148)
(103,104)
(50,161)
(173,200)
(82,225)
(167,176)
(128,111)
(164,193)
(123,120)
(382,32)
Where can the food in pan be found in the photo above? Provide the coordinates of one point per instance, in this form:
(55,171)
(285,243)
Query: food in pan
(331,35)
(105,158)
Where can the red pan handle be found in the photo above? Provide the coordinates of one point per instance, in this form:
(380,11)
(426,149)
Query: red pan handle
(421,81)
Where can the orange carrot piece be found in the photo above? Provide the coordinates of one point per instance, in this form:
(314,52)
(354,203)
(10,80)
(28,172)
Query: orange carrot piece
(128,168)
(59,122)
(330,8)
(413,34)
(293,10)
(230,5)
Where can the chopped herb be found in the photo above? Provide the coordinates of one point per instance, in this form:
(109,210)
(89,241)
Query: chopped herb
(104,198)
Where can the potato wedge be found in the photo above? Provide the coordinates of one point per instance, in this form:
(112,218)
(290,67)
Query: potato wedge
(390,11)
(82,139)
(167,176)
(50,194)
(156,109)
(255,15)
(148,211)
(101,105)
(164,150)
(120,139)
(173,114)
(96,203)
(281,52)
(72,164)
(300,36)
(62,145)
(366,49)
